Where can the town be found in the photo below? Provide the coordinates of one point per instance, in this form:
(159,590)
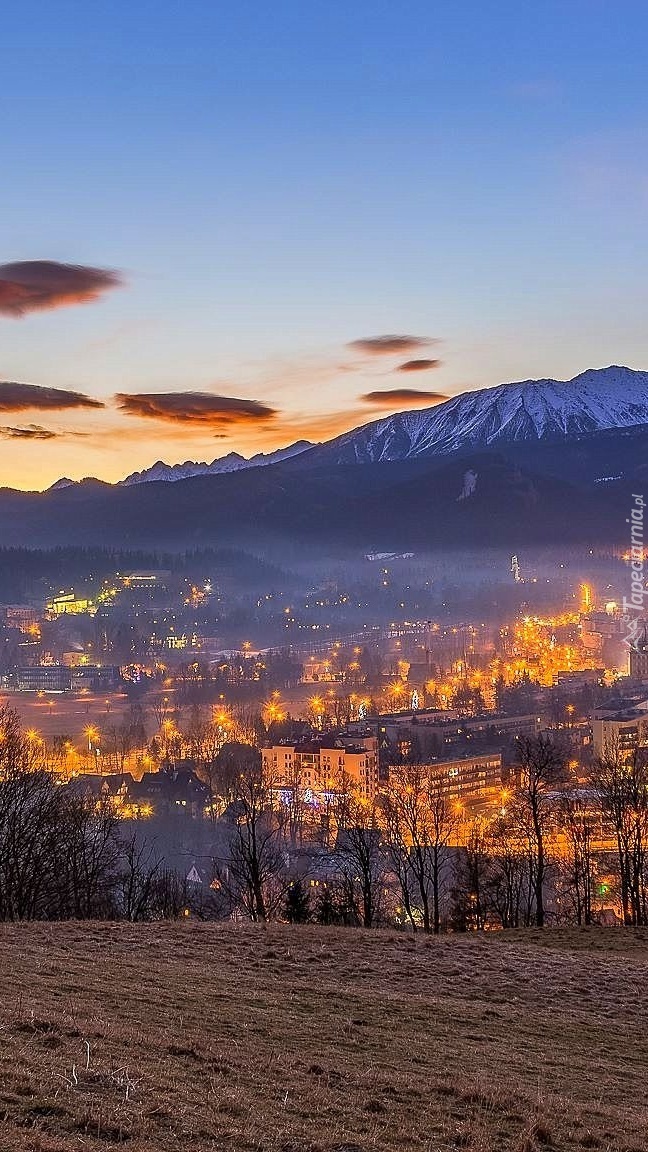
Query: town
(428,774)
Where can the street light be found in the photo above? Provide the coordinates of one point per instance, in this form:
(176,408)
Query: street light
(92,735)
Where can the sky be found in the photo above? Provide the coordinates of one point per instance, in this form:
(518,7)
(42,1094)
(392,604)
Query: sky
(214,215)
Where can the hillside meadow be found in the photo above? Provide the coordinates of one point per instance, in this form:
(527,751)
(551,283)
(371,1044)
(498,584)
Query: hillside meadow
(166,1037)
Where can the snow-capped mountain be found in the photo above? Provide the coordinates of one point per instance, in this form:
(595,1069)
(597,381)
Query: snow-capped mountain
(233,462)
(537,462)
(532,410)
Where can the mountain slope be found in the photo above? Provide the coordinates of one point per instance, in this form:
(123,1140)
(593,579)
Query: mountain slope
(531,410)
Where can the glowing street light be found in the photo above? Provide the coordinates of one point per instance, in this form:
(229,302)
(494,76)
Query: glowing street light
(92,735)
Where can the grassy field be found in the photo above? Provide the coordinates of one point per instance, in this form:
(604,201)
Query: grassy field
(196,1037)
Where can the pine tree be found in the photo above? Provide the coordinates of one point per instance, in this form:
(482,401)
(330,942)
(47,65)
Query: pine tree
(326,911)
(297,903)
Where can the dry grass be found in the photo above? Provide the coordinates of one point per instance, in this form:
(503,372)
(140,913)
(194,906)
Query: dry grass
(197,1037)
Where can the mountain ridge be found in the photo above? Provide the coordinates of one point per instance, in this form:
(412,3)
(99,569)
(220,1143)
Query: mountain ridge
(232,462)
(550,492)
(516,412)
(529,410)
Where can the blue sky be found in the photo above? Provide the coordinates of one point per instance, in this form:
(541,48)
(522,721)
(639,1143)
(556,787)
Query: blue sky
(274,181)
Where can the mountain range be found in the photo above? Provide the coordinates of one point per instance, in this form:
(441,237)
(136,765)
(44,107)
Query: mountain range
(233,462)
(537,461)
(529,411)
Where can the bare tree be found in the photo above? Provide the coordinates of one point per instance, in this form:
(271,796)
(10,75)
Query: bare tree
(140,868)
(471,876)
(508,881)
(57,850)
(85,858)
(443,820)
(623,791)
(360,864)
(420,819)
(578,829)
(255,876)
(30,817)
(542,763)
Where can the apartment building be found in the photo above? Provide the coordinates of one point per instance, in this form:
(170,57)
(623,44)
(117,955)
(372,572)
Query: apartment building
(620,735)
(325,765)
(469,780)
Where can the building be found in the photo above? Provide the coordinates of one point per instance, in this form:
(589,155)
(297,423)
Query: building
(638,659)
(44,678)
(95,677)
(151,588)
(602,634)
(177,794)
(69,604)
(469,780)
(145,579)
(22,616)
(325,765)
(432,736)
(639,663)
(580,679)
(174,792)
(620,735)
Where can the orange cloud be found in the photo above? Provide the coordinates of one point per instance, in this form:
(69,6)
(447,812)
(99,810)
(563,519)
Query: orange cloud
(419,365)
(394,397)
(200,409)
(16,397)
(387,345)
(39,285)
(30,432)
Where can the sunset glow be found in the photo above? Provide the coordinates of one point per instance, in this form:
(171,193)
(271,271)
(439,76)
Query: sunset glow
(456,222)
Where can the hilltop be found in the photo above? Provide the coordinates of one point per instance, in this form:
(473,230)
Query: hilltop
(165,1037)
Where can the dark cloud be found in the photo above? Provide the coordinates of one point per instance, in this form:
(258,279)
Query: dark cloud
(202,409)
(419,365)
(393,397)
(30,432)
(387,345)
(15,397)
(38,285)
